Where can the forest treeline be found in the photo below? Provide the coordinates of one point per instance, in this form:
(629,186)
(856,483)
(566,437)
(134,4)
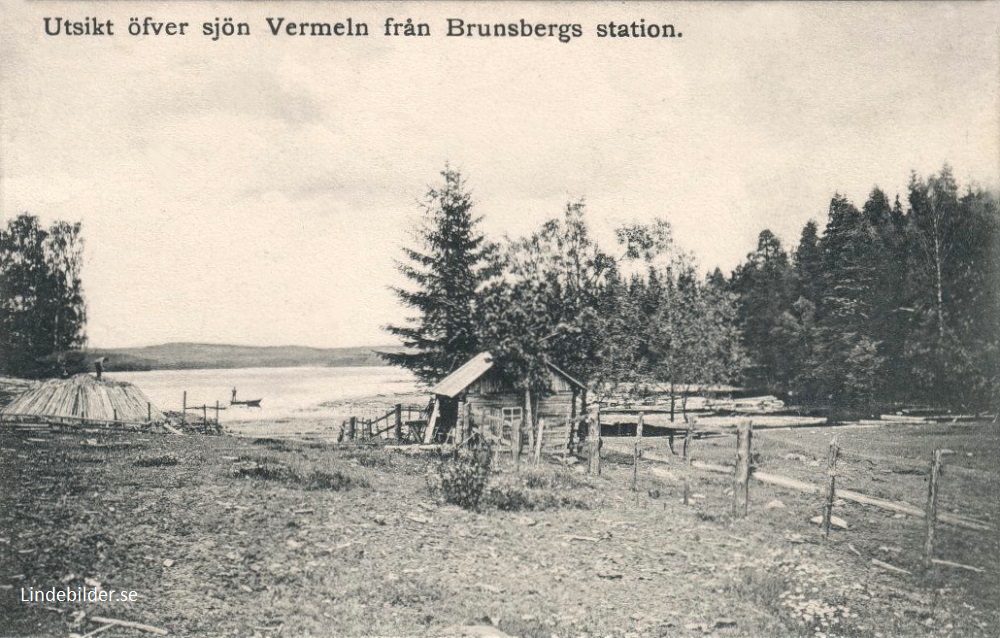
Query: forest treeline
(893,303)
(890,303)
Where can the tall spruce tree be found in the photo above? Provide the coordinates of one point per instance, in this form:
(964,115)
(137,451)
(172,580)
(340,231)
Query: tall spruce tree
(809,264)
(849,246)
(448,266)
(764,284)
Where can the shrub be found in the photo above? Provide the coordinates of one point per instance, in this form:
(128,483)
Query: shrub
(508,498)
(462,480)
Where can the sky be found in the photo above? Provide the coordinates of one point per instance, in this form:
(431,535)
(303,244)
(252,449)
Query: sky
(256,190)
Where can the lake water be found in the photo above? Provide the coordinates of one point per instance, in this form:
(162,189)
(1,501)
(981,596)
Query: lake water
(287,393)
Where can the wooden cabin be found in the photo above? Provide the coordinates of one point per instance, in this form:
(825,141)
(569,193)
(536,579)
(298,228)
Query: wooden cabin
(486,398)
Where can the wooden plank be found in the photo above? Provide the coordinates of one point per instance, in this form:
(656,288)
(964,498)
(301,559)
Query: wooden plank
(172,430)
(538,441)
(432,423)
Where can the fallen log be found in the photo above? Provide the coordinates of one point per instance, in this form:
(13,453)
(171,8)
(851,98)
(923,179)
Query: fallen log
(948,563)
(888,567)
(133,625)
(95,632)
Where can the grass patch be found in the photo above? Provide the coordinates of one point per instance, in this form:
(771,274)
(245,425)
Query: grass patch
(262,469)
(277,445)
(514,493)
(162,460)
(618,458)
(540,479)
(370,457)
(336,481)
(266,469)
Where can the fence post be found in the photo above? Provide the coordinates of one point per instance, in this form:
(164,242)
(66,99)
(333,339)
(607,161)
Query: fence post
(399,421)
(538,441)
(636,453)
(931,512)
(595,442)
(352,428)
(529,416)
(184,409)
(149,411)
(741,485)
(461,424)
(217,412)
(686,449)
(515,443)
(831,488)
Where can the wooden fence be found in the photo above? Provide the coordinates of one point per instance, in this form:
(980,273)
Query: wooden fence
(401,423)
(743,470)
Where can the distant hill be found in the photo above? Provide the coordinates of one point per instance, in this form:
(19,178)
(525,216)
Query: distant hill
(192,356)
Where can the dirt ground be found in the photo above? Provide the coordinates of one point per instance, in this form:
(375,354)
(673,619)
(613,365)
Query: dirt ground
(361,547)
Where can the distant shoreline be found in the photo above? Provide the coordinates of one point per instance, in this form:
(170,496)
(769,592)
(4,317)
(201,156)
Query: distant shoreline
(202,356)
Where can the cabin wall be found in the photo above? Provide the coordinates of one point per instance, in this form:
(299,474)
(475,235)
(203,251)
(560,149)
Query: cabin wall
(490,392)
(555,409)
(480,402)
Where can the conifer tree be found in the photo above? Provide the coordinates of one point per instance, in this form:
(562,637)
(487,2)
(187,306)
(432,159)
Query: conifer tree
(449,264)
(764,283)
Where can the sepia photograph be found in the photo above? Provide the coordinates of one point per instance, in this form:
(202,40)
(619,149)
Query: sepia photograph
(499,319)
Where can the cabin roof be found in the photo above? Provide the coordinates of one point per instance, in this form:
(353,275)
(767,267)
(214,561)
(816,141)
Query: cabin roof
(466,375)
(471,370)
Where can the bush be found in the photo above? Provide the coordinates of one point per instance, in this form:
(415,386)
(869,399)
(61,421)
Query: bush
(508,498)
(462,480)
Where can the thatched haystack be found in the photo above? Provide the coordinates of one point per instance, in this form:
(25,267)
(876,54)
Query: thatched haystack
(83,399)
(12,387)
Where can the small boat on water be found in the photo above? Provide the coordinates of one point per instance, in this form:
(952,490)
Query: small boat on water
(250,403)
